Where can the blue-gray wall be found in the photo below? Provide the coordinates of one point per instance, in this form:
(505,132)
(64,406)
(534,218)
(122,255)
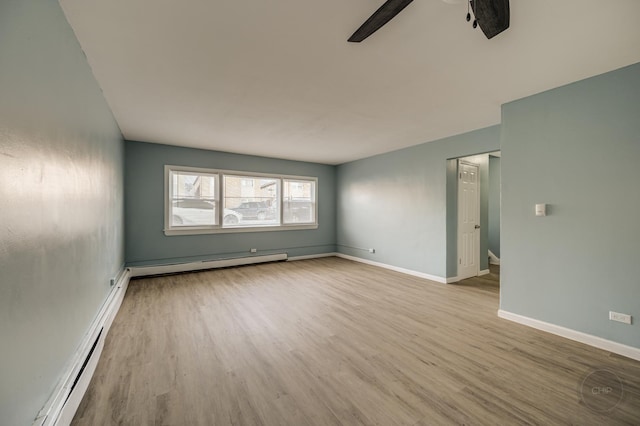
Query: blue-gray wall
(61,186)
(396,203)
(146,243)
(576,148)
(494,205)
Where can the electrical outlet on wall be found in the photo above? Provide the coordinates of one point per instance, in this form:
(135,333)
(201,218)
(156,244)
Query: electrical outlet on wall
(616,316)
(253,250)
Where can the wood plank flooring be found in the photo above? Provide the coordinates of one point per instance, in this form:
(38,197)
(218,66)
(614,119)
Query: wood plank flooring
(333,342)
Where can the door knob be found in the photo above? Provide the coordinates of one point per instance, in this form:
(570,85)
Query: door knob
(477,226)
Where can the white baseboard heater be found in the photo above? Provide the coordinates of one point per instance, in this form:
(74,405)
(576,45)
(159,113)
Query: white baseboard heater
(143,271)
(81,382)
(65,399)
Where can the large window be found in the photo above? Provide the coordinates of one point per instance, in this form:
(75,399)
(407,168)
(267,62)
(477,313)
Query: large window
(298,201)
(209,201)
(193,199)
(251,201)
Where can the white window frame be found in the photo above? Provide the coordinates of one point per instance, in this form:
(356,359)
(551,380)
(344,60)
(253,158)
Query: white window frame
(220,228)
(283,200)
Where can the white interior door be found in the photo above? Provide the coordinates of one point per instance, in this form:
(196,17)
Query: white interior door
(468,220)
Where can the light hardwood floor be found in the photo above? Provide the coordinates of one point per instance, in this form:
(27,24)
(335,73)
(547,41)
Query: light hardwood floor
(330,341)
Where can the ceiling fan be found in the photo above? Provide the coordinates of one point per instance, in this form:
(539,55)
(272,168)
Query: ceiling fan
(492,16)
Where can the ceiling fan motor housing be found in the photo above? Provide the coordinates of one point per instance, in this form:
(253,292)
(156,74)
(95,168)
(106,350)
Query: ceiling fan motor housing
(492,16)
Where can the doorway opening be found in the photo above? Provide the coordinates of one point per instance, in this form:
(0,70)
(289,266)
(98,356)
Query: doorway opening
(473,219)
(468,220)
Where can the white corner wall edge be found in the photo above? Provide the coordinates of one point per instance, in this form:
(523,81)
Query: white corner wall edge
(395,268)
(493,259)
(143,271)
(578,336)
(64,401)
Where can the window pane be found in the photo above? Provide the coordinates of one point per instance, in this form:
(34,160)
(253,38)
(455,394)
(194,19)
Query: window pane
(193,199)
(299,201)
(251,201)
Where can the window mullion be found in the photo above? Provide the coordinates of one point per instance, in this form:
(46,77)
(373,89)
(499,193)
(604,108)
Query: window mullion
(281,201)
(220,194)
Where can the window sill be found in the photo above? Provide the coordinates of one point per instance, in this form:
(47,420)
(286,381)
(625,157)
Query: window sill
(210,230)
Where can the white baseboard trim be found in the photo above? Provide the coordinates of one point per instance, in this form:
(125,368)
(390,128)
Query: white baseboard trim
(394,268)
(64,401)
(312,256)
(578,336)
(455,279)
(142,271)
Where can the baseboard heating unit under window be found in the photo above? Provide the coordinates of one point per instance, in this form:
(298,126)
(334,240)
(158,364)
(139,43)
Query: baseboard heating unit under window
(142,271)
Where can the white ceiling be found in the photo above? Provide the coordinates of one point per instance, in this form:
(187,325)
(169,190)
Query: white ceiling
(278,78)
